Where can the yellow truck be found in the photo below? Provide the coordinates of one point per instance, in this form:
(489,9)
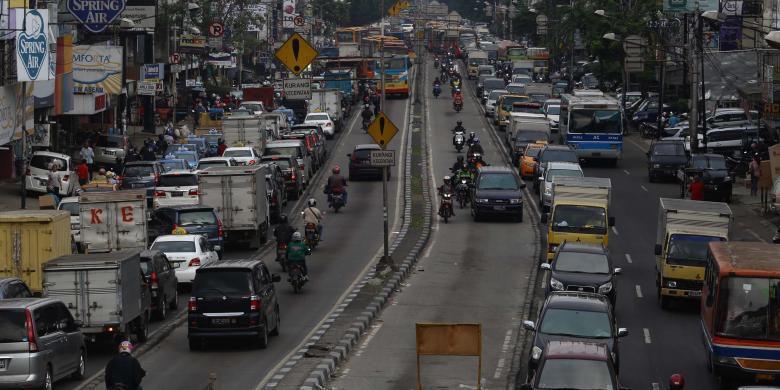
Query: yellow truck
(579,211)
(685,228)
(504,109)
(476,58)
(30,238)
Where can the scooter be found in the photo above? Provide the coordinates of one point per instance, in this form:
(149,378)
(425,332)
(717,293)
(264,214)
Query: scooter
(462,192)
(436,63)
(366,123)
(295,277)
(336,202)
(445,206)
(457,104)
(281,255)
(436,90)
(311,236)
(459,140)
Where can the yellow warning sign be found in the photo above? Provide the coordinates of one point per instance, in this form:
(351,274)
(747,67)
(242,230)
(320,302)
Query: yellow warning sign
(296,54)
(382,130)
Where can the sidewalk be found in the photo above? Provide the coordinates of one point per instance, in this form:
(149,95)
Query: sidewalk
(751,223)
(10,198)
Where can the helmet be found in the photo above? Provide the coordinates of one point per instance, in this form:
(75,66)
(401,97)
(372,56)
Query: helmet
(460,159)
(460,123)
(447,179)
(476,140)
(283,218)
(125,347)
(312,202)
(472,134)
(336,169)
(297,236)
(676,382)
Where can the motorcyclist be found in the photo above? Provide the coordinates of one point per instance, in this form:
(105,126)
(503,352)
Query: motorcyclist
(457,96)
(436,82)
(459,164)
(296,253)
(475,147)
(366,114)
(124,371)
(472,137)
(447,187)
(459,127)
(283,231)
(311,214)
(337,184)
(676,382)
(465,173)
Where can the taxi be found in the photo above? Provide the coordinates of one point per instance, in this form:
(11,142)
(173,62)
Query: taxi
(528,159)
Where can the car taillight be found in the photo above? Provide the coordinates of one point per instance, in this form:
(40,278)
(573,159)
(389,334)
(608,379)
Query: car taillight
(292,176)
(194,262)
(220,230)
(154,279)
(65,178)
(254,303)
(329,124)
(251,162)
(159,194)
(354,157)
(192,305)
(32,338)
(194,192)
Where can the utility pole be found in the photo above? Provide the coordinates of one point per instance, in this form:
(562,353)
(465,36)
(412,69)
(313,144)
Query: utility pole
(693,119)
(387,260)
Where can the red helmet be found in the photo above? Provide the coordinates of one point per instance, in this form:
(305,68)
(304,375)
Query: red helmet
(336,169)
(676,382)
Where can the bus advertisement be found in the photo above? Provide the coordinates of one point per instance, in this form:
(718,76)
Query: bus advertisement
(591,124)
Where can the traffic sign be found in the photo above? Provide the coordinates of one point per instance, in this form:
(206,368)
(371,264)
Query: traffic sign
(175,58)
(299,21)
(297,89)
(216,29)
(382,130)
(382,158)
(296,54)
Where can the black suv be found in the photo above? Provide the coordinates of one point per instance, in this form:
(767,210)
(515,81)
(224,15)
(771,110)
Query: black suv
(233,298)
(714,173)
(665,158)
(584,268)
(293,182)
(574,316)
(142,174)
(195,219)
(497,191)
(162,281)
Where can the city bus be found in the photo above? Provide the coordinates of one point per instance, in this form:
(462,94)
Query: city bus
(740,312)
(591,124)
(349,35)
(541,59)
(369,46)
(397,75)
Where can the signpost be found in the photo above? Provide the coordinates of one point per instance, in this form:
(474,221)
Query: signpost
(382,130)
(296,54)
(297,89)
(216,31)
(147,88)
(382,158)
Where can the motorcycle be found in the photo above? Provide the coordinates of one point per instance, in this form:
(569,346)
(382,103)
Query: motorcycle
(281,255)
(462,192)
(366,123)
(436,90)
(436,63)
(445,206)
(459,140)
(457,104)
(443,77)
(295,277)
(336,202)
(311,235)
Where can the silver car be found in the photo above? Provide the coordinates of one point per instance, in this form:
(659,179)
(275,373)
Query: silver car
(40,343)
(111,149)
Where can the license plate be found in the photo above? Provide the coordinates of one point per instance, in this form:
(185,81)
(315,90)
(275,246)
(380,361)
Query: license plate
(765,377)
(177,193)
(222,321)
(137,185)
(177,264)
(695,293)
(110,153)
(499,208)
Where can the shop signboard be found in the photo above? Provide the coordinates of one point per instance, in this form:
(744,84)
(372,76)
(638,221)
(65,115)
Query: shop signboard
(193,44)
(13,114)
(96,15)
(141,12)
(32,46)
(97,69)
(152,73)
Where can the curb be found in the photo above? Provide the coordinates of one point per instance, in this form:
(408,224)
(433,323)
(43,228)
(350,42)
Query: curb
(321,374)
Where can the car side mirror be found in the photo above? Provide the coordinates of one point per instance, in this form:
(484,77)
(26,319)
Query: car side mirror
(544,218)
(276,278)
(611,221)
(622,332)
(617,271)
(529,325)
(545,266)
(658,249)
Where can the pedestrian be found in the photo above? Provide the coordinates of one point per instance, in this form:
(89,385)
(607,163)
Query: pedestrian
(53,182)
(88,154)
(82,171)
(221,147)
(697,188)
(124,371)
(755,173)
(674,120)
(148,154)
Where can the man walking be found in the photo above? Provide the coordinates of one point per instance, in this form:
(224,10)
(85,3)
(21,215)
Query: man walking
(88,155)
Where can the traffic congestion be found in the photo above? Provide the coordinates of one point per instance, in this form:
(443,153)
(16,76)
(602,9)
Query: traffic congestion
(596,235)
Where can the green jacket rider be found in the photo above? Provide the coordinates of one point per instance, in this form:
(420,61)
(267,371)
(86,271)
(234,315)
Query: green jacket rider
(297,251)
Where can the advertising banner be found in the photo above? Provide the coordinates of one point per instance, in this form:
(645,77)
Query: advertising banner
(691,5)
(32,46)
(288,14)
(97,69)
(13,114)
(731,33)
(141,12)
(152,73)
(194,44)
(96,15)
(257,12)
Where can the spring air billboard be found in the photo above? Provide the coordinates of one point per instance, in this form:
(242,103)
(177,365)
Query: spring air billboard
(32,46)
(96,15)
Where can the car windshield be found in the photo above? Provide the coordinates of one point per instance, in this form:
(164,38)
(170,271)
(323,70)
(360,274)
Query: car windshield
(42,162)
(749,308)
(215,163)
(516,89)
(707,162)
(553,110)
(237,153)
(71,207)
(497,181)
(252,107)
(222,282)
(108,141)
(553,173)
(138,171)
(174,246)
(689,249)
(527,108)
(282,151)
(187,156)
(595,121)
(576,323)
(12,329)
(317,117)
(579,219)
(173,165)
(508,101)
(575,374)
(178,181)
(525,136)
(559,155)
(592,263)
(532,152)
(197,217)
(668,150)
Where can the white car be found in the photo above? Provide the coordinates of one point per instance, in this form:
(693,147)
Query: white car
(176,188)
(187,253)
(556,169)
(322,119)
(516,88)
(216,162)
(71,205)
(490,103)
(243,155)
(255,107)
(37,173)
(553,113)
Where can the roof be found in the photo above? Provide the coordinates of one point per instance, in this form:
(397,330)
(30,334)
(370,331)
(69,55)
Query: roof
(747,258)
(239,148)
(237,263)
(277,157)
(207,159)
(52,154)
(33,215)
(133,163)
(576,350)
(698,206)
(558,147)
(22,303)
(496,169)
(576,300)
(185,207)
(564,165)
(580,247)
(367,146)
(178,237)
(583,181)
(286,142)
(113,196)
(105,258)
(178,172)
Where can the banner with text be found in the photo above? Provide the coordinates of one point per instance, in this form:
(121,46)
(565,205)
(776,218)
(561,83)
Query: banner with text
(97,69)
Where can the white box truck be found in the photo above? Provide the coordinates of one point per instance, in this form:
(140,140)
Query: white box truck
(106,291)
(112,221)
(328,100)
(245,131)
(239,196)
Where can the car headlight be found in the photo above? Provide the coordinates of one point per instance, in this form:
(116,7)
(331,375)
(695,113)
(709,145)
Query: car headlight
(536,353)
(671,284)
(656,165)
(556,284)
(727,179)
(516,201)
(482,200)
(605,288)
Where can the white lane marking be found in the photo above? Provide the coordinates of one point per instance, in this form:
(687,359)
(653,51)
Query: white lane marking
(499,368)
(626,172)
(754,234)
(432,180)
(370,336)
(638,291)
(628,258)
(656,386)
(504,349)
(345,372)
(648,340)
(644,188)
(614,230)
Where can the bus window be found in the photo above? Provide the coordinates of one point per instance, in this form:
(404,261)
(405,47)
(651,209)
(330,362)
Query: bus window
(749,308)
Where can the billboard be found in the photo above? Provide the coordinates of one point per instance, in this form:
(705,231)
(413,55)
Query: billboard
(97,69)
(13,114)
(691,5)
(32,45)
(288,14)
(141,12)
